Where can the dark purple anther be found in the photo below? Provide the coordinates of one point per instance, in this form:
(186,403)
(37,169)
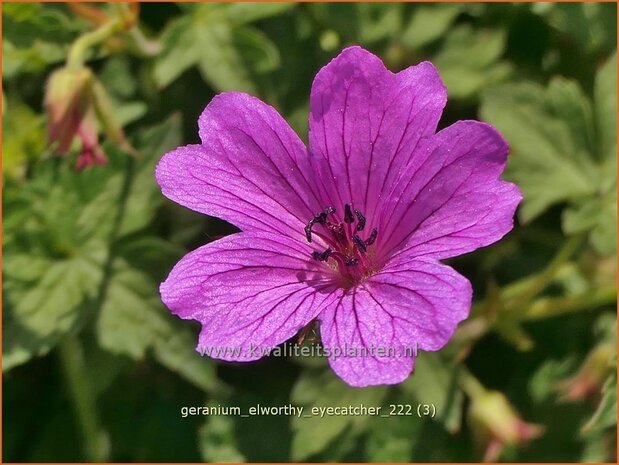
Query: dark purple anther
(345,243)
(321,218)
(322,256)
(370,240)
(360,244)
(348,218)
(360,220)
(308,230)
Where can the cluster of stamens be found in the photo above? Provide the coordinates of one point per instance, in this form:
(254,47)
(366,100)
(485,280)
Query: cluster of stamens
(346,247)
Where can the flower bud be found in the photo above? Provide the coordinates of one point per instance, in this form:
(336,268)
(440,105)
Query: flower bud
(76,106)
(590,377)
(91,153)
(68,98)
(496,424)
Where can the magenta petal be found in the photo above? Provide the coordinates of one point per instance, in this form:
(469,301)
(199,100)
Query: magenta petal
(414,303)
(365,123)
(250,292)
(251,168)
(453,201)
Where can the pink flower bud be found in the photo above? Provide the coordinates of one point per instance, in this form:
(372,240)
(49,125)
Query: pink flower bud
(590,377)
(68,98)
(496,424)
(77,106)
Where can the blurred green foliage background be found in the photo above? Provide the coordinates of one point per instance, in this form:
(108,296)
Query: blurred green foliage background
(94,368)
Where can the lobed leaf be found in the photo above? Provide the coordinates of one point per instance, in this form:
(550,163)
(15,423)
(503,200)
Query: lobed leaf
(470,60)
(429,23)
(562,150)
(218,40)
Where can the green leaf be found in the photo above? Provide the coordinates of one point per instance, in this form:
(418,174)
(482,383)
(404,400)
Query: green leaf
(429,23)
(34,59)
(338,451)
(392,439)
(23,23)
(226,51)
(563,150)
(51,270)
(597,215)
(131,319)
(257,50)
(180,51)
(566,100)
(544,161)
(218,440)
(596,450)
(133,322)
(58,230)
(176,351)
(606,329)
(95,222)
(544,381)
(365,23)
(26,268)
(150,253)
(604,233)
(221,62)
(118,77)
(144,195)
(24,138)
(128,112)
(120,85)
(321,388)
(592,27)
(34,36)
(247,12)
(605,106)
(378,22)
(38,314)
(605,416)
(104,367)
(470,59)
(434,381)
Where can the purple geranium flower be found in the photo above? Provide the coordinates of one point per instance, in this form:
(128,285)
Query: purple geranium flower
(349,231)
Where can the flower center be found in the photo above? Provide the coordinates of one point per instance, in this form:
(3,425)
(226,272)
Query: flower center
(348,253)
